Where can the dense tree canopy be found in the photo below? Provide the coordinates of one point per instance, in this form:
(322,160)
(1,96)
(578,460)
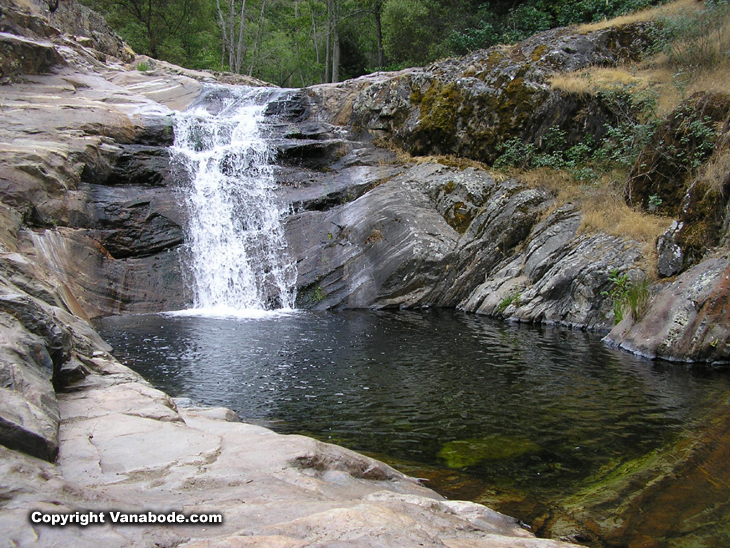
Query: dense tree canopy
(304,42)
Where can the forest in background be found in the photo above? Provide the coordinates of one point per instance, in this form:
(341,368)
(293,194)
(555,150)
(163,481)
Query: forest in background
(296,43)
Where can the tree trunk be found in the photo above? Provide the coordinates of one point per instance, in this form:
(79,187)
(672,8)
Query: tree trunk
(224,34)
(242,26)
(231,35)
(328,55)
(256,43)
(335,50)
(379,32)
(313,30)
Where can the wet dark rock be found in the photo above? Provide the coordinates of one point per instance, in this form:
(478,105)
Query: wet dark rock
(387,248)
(130,164)
(311,153)
(101,284)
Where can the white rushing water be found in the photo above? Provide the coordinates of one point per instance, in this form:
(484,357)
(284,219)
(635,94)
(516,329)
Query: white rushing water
(237,250)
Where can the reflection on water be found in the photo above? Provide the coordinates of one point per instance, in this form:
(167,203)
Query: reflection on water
(457,397)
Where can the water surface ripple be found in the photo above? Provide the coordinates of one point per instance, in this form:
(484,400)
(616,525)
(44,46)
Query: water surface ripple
(534,408)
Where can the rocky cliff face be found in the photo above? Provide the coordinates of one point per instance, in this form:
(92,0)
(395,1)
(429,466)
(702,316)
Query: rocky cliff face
(469,106)
(505,252)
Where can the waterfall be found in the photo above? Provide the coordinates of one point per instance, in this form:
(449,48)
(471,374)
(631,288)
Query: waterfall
(236,247)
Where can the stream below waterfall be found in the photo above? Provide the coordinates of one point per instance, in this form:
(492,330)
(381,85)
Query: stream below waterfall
(467,402)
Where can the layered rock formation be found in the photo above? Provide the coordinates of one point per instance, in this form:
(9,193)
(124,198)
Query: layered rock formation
(548,271)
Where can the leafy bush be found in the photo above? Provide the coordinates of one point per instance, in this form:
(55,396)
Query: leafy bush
(554,153)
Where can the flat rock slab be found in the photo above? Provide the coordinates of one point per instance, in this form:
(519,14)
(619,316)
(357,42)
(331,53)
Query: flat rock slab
(127,447)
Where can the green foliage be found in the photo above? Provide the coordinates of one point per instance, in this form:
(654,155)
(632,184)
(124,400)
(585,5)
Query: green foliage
(319,294)
(697,141)
(495,25)
(554,153)
(513,299)
(406,33)
(288,42)
(143,67)
(588,11)
(627,296)
(635,122)
(516,153)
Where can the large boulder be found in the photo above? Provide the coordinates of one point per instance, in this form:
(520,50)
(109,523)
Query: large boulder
(688,318)
(470,106)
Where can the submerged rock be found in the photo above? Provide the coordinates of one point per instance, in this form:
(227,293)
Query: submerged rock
(463,453)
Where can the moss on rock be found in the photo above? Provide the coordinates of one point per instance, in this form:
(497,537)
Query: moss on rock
(463,453)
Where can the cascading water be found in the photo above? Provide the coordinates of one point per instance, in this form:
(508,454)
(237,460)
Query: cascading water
(237,250)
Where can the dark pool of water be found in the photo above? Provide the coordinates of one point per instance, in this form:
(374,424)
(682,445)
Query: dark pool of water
(534,408)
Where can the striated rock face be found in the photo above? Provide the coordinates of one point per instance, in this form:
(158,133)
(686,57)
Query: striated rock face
(561,277)
(411,241)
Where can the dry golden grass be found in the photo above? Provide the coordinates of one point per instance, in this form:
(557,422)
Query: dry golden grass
(650,14)
(717,81)
(659,73)
(715,172)
(607,212)
(602,206)
(597,79)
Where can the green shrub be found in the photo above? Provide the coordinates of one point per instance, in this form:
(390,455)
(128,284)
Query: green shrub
(509,300)
(627,296)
